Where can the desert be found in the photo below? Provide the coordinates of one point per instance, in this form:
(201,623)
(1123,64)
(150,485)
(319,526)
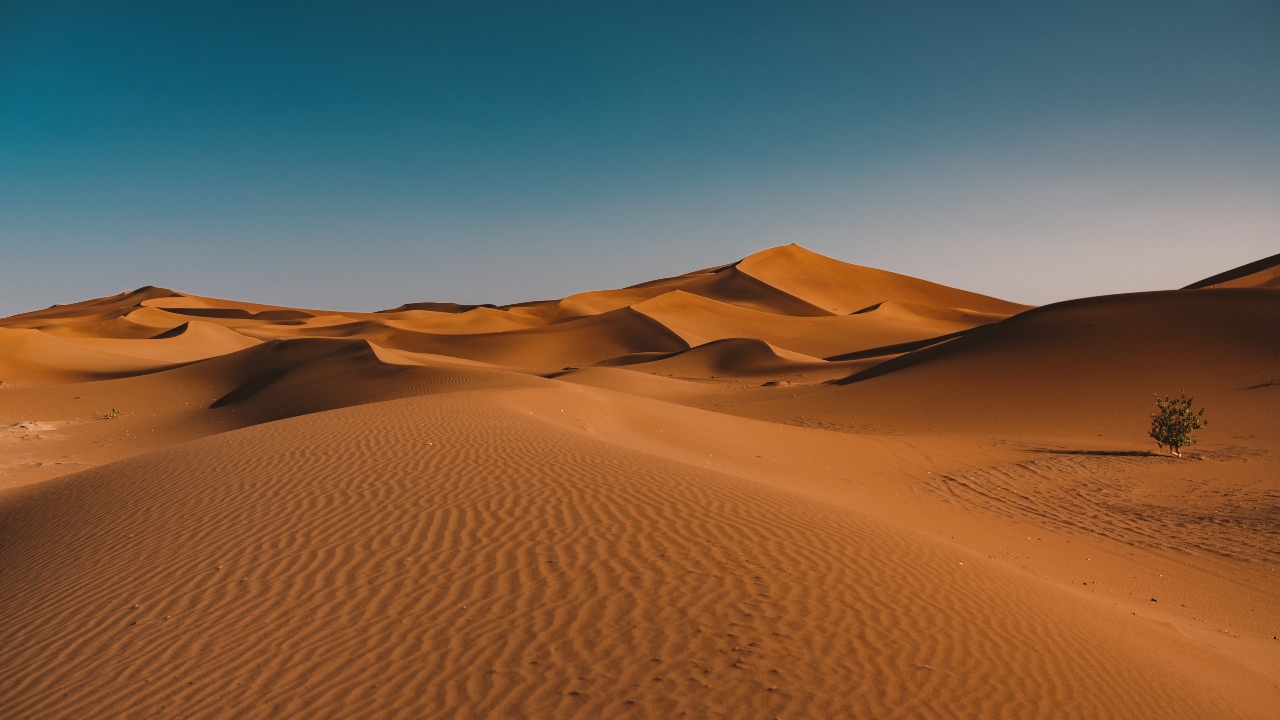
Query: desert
(787,486)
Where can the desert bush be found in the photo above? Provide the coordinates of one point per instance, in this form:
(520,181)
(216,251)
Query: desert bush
(1173,422)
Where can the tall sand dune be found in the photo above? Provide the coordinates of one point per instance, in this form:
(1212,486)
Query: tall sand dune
(842,288)
(724,284)
(114,305)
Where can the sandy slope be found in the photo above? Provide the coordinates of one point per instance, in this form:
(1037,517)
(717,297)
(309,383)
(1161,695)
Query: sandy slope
(1264,273)
(192,340)
(843,288)
(1083,368)
(452,555)
(735,357)
(33,357)
(658,501)
(698,320)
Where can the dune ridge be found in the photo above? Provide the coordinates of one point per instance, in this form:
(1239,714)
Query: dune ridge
(1264,273)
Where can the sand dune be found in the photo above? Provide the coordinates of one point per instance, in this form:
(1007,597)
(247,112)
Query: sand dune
(725,284)
(113,306)
(478,320)
(192,340)
(782,487)
(583,342)
(733,357)
(698,320)
(30,356)
(1264,273)
(279,379)
(1086,367)
(754,298)
(419,558)
(843,288)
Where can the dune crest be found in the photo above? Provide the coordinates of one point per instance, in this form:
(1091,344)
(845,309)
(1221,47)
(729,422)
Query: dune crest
(1264,273)
(844,289)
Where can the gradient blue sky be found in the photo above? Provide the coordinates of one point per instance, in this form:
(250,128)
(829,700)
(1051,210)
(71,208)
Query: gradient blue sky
(362,155)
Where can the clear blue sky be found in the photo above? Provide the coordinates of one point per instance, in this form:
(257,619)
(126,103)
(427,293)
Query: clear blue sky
(362,155)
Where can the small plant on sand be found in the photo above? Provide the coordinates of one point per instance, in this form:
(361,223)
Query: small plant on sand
(1173,422)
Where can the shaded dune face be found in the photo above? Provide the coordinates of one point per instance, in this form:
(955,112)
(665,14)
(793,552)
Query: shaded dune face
(725,358)
(727,285)
(784,487)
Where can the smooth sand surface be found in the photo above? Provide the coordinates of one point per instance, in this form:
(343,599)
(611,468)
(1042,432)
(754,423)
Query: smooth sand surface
(659,501)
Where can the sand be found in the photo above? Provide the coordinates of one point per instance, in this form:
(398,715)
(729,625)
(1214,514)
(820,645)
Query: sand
(785,487)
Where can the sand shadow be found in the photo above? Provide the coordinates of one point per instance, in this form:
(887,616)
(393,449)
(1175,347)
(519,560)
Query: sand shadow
(1098,453)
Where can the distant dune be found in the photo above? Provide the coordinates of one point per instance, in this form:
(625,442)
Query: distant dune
(782,487)
(1264,273)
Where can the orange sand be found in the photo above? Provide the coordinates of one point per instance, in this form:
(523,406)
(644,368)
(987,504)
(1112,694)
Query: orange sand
(786,487)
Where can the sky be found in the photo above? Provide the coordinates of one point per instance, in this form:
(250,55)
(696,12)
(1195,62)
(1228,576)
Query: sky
(362,155)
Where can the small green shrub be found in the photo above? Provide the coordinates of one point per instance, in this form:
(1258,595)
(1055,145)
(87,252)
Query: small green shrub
(1173,422)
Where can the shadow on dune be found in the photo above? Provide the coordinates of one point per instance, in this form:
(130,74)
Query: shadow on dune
(240,313)
(897,349)
(927,350)
(1099,453)
(251,388)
